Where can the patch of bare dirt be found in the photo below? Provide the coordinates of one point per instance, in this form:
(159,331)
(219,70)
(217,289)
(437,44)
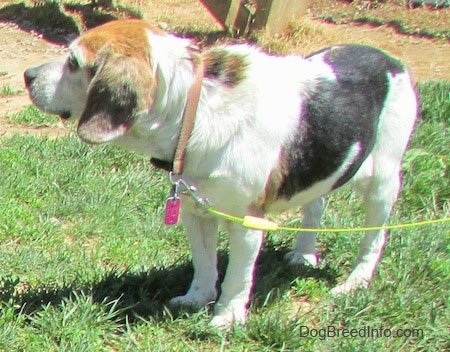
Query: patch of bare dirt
(428,59)
(18,51)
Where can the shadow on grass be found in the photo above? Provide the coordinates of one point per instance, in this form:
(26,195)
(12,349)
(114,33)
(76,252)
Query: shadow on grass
(60,23)
(400,27)
(146,294)
(48,20)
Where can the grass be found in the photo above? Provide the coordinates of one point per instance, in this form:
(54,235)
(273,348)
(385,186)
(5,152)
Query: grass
(60,21)
(86,264)
(420,21)
(32,117)
(6,90)
(188,17)
(427,162)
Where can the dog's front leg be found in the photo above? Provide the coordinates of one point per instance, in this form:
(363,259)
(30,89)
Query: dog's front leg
(203,235)
(236,288)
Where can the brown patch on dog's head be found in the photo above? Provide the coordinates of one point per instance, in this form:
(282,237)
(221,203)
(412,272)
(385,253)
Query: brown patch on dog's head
(123,37)
(123,84)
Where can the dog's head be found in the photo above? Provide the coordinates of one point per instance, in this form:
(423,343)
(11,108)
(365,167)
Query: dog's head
(106,80)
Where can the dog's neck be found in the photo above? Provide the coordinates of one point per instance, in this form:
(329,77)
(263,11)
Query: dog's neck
(187,124)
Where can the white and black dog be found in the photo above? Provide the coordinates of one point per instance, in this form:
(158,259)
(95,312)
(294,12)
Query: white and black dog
(270,133)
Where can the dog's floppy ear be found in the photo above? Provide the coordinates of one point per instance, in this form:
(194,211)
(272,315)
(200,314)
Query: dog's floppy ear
(121,88)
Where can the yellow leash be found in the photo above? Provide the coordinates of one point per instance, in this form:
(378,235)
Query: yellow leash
(255,223)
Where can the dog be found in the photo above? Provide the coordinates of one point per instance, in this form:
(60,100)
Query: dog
(269,133)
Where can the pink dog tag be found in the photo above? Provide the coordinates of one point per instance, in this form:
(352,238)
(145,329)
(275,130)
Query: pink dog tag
(172,211)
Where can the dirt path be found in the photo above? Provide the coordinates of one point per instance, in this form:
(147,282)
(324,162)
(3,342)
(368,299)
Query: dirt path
(427,59)
(18,51)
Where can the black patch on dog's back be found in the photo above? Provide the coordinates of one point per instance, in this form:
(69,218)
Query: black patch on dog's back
(337,115)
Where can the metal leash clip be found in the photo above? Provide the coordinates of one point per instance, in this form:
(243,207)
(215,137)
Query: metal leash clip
(203,204)
(176,180)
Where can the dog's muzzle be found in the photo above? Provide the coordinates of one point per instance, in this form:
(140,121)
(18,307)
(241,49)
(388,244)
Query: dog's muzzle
(29,77)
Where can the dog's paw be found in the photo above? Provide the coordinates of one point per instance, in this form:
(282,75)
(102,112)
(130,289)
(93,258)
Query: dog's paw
(197,299)
(221,322)
(350,286)
(225,318)
(295,258)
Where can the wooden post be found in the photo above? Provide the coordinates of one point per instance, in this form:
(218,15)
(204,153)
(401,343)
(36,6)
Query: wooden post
(231,14)
(272,15)
(275,15)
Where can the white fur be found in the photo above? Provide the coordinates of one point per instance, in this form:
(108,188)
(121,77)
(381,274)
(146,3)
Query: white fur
(235,145)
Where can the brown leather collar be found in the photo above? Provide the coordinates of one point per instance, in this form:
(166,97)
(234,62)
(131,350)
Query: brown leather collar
(187,122)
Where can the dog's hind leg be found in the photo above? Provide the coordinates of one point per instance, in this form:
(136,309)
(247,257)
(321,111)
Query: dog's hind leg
(305,251)
(379,178)
(379,199)
(203,236)
(236,287)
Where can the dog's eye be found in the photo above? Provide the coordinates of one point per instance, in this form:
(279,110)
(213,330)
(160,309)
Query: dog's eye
(73,63)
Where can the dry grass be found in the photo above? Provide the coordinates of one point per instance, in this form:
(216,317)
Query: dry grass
(190,17)
(421,21)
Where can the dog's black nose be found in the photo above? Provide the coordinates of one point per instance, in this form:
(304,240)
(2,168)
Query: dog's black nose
(29,76)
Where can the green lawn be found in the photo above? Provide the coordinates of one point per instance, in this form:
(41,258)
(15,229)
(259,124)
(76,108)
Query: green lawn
(87,265)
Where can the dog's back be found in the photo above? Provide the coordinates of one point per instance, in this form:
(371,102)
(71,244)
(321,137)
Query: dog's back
(362,110)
